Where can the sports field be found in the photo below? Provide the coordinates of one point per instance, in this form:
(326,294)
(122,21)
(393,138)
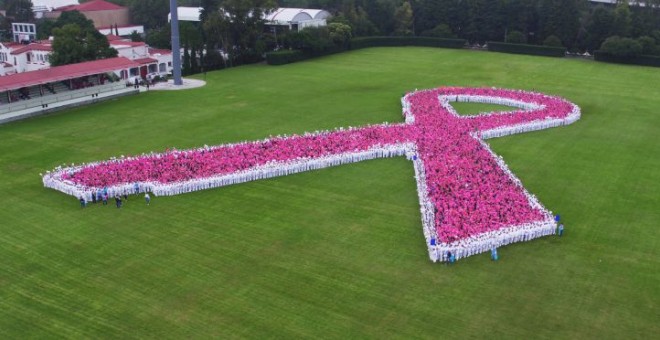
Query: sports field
(336,253)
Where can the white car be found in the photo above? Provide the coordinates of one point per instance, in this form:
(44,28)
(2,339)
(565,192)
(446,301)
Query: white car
(133,80)
(154,75)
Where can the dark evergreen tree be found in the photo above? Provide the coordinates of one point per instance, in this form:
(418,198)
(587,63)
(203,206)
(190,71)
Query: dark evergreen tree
(19,10)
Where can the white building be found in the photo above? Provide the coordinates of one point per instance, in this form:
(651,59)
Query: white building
(39,7)
(19,58)
(293,18)
(297,19)
(151,60)
(23,31)
(187,14)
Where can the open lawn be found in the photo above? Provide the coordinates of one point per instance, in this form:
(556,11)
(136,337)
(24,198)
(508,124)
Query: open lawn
(336,253)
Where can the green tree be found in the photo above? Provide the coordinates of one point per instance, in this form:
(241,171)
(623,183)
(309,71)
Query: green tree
(553,41)
(440,31)
(485,21)
(622,25)
(150,13)
(19,10)
(340,34)
(5,29)
(649,46)
(516,37)
(240,27)
(354,15)
(217,31)
(208,6)
(622,47)
(185,68)
(404,19)
(311,40)
(381,14)
(75,18)
(73,44)
(135,36)
(600,26)
(44,28)
(560,18)
(159,37)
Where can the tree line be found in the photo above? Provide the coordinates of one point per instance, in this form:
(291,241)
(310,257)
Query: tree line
(232,32)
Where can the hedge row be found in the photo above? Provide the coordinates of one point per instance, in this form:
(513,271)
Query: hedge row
(527,49)
(365,42)
(284,57)
(644,60)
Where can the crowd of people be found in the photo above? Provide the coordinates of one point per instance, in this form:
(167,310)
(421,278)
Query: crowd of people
(470,202)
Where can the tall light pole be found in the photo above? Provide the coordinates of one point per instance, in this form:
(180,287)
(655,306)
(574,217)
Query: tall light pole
(176,50)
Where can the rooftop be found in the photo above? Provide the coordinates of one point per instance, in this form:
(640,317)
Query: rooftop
(91,6)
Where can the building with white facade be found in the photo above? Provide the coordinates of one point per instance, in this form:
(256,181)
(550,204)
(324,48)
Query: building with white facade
(39,7)
(293,18)
(23,31)
(297,19)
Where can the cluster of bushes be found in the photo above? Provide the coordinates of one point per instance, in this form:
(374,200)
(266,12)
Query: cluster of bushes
(641,51)
(517,37)
(548,51)
(311,42)
(314,42)
(284,57)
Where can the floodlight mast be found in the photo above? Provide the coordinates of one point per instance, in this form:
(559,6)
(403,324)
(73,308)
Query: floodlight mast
(176,50)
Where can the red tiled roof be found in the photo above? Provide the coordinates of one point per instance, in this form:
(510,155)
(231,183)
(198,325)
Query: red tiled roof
(11,44)
(144,61)
(112,37)
(32,47)
(119,26)
(153,51)
(59,73)
(90,6)
(127,43)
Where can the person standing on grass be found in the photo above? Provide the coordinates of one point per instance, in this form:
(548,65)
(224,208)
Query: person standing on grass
(560,229)
(118,201)
(493,254)
(82,202)
(147,198)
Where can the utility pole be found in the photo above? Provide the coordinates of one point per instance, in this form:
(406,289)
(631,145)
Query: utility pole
(176,50)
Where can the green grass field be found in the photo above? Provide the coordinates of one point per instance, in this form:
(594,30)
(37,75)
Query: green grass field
(336,253)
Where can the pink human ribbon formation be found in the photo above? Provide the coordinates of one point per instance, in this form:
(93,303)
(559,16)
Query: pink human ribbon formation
(469,200)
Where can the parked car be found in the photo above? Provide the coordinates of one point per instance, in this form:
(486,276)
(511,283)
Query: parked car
(133,80)
(154,76)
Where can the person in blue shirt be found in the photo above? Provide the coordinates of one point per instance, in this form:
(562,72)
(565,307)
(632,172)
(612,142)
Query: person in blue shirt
(493,254)
(560,229)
